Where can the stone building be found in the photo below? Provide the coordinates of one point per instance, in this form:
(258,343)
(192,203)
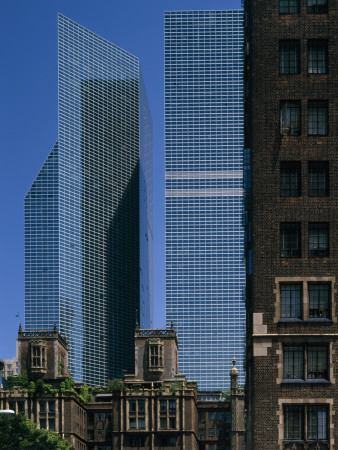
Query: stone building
(291,85)
(154,408)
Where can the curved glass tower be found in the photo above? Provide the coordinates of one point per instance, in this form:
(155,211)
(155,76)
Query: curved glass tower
(205,270)
(88,214)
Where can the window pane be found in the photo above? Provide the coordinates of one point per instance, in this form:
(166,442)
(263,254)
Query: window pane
(318,239)
(291,300)
(132,405)
(317,422)
(318,118)
(290,240)
(290,179)
(317,6)
(318,179)
(317,57)
(289,57)
(141,406)
(288,6)
(317,362)
(293,362)
(319,296)
(293,422)
(290,118)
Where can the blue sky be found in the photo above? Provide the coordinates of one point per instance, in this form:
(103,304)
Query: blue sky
(28,117)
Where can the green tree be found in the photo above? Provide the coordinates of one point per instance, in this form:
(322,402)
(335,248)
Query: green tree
(19,433)
(116,385)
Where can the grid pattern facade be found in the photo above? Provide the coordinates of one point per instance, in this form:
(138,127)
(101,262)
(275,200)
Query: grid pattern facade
(205,273)
(83,235)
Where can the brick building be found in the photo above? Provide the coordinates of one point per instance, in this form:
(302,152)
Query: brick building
(291,197)
(154,408)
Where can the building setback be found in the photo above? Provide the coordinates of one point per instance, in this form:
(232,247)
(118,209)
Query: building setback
(88,213)
(205,278)
(291,140)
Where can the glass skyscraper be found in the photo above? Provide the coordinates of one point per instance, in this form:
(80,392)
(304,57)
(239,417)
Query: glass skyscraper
(88,214)
(205,267)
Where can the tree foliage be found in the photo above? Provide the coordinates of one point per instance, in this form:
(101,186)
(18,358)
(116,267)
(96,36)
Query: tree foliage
(116,385)
(19,433)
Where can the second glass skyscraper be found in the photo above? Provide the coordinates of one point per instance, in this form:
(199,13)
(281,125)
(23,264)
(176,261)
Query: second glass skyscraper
(205,270)
(88,214)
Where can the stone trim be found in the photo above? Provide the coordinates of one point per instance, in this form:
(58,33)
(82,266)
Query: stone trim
(305,401)
(280,364)
(305,303)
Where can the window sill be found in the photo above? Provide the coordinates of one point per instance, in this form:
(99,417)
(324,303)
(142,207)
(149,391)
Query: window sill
(290,320)
(310,321)
(310,381)
(319,320)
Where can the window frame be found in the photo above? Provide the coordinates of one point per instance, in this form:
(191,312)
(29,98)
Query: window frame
(290,187)
(304,423)
(137,413)
(318,118)
(325,182)
(315,6)
(319,300)
(319,243)
(289,63)
(299,355)
(289,7)
(313,47)
(290,240)
(290,118)
(295,305)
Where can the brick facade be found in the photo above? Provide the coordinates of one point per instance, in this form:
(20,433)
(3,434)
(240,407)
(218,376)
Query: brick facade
(285,262)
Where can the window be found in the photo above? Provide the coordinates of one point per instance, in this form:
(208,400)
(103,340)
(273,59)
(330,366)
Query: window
(211,432)
(291,299)
(136,442)
(38,356)
(43,423)
(289,6)
(317,6)
(290,179)
(172,405)
(293,362)
(172,422)
(201,417)
(305,362)
(318,240)
(211,416)
(163,406)
(317,362)
(319,300)
(318,118)
(167,412)
(219,415)
(51,424)
(155,354)
(290,240)
(43,407)
(21,407)
(137,414)
(306,422)
(318,176)
(168,441)
(290,118)
(51,406)
(317,57)
(289,57)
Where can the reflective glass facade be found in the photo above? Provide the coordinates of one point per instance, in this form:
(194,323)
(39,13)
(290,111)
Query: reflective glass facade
(87,246)
(205,273)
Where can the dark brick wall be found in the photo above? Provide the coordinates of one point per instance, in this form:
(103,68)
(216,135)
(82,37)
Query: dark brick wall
(267,88)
